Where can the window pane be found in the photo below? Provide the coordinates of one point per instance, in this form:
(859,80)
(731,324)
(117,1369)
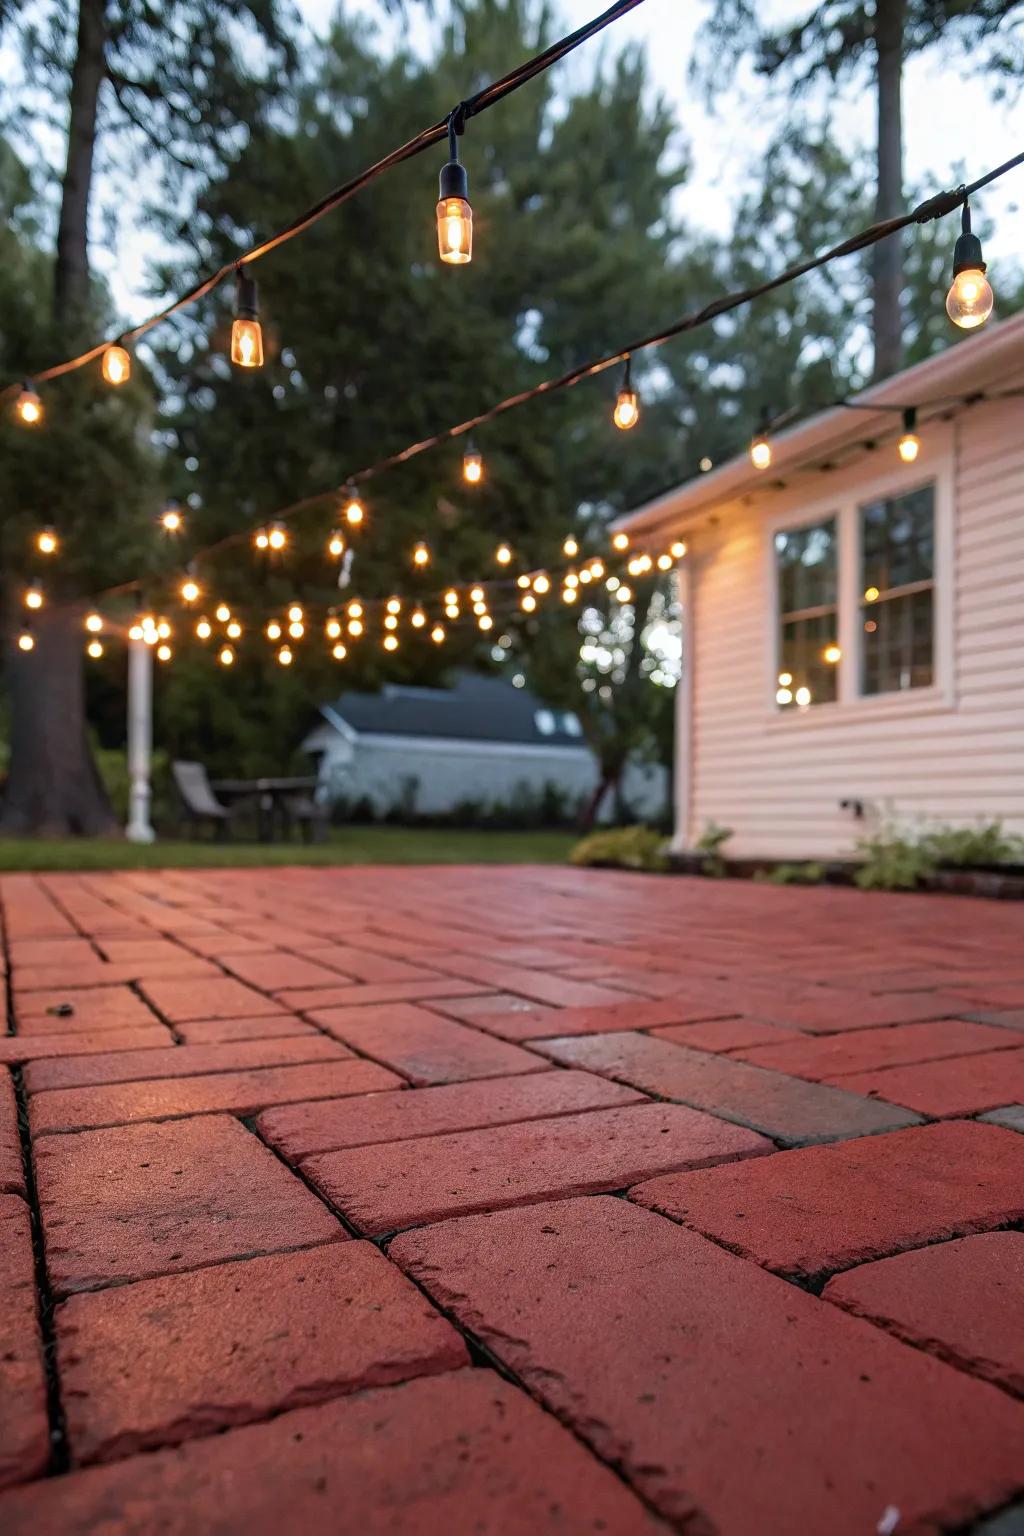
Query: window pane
(898,540)
(897,645)
(808,661)
(806,563)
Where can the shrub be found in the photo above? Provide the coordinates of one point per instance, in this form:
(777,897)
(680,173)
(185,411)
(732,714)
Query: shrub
(622,848)
(710,844)
(793,874)
(892,862)
(962,847)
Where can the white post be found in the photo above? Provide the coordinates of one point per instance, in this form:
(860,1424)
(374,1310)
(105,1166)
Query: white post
(683,786)
(140,741)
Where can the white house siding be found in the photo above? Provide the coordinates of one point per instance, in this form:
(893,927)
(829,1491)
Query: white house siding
(778,778)
(452,771)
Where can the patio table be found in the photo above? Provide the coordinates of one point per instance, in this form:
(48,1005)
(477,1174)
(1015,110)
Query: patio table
(270,795)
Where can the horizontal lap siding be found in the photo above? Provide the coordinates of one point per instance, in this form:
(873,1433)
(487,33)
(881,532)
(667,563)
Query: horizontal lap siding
(778,783)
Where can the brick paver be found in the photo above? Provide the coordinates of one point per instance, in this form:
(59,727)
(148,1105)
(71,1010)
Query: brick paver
(728,1177)
(963,1301)
(164,1360)
(733,1401)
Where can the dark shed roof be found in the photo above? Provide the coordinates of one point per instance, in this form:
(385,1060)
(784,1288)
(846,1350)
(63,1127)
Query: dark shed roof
(475,709)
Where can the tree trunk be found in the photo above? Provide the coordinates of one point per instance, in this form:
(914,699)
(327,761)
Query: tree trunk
(54,788)
(608,781)
(887,256)
(71,273)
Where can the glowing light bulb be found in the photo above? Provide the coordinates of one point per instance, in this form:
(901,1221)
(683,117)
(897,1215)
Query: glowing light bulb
(339,652)
(390,621)
(451,598)
(503,555)
(783,696)
(479,608)
(273,630)
(222,613)
(394,605)
(28,407)
(332,629)
(234,630)
(542,583)
(585,576)
(390,642)
(33,597)
(872,595)
(437,634)
(163,630)
(570,594)
(26,641)
(832,654)
(528,602)
(163,653)
(355,610)
(94,623)
(226,656)
(421,555)
(665,562)
(355,626)
(472,466)
(295,612)
(47,542)
(336,545)
(190,590)
(261,538)
(785,679)
(570,547)
(485,621)
(627,404)
(476,594)
(625,594)
(970,299)
(596,569)
(204,629)
(613,583)
(909,445)
(277,536)
(284,656)
(246,331)
(451,610)
(94,649)
(454,214)
(355,512)
(417,618)
(171,517)
(677,550)
(296,629)
(803,697)
(761,451)
(620,541)
(116,365)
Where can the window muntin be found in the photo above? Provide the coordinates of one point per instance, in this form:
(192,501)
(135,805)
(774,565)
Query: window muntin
(897,583)
(806,567)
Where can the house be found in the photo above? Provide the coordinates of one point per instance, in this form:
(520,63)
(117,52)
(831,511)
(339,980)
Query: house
(482,743)
(854,623)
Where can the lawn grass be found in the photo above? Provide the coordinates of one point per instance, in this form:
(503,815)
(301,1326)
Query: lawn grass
(346,845)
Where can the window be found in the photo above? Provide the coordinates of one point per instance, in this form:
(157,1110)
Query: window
(897,569)
(571,725)
(544,721)
(806,565)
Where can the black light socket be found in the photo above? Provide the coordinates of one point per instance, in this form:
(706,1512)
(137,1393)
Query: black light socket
(967,255)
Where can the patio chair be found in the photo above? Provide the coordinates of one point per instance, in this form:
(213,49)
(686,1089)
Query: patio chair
(311,816)
(198,801)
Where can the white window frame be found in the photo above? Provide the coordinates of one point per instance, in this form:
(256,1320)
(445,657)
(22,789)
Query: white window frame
(849,490)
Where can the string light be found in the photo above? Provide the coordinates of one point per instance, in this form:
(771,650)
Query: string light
(451,610)
(454,213)
(451,598)
(226,656)
(261,538)
(163,630)
(476,594)
(355,627)
(277,536)
(33,595)
(163,653)
(284,656)
(332,629)
(190,590)
(94,649)
(273,630)
(542,583)
(204,629)
(417,618)
(171,517)
(296,629)
(665,562)
(596,569)
(480,607)
(678,549)
(437,634)
(394,605)
(391,621)
(624,594)
(355,610)
(28,407)
(760,446)
(336,545)
(421,555)
(117,364)
(570,548)
(585,576)
(472,466)
(620,541)
(503,555)
(355,512)
(909,445)
(390,642)
(339,652)
(528,602)
(570,594)
(26,640)
(485,621)
(970,299)
(571,579)
(234,630)
(295,613)
(613,583)
(94,623)
(832,654)
(246,331)
(627,405)
(47,542)
(222,613)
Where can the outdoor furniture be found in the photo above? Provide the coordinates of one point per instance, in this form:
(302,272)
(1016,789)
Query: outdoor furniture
(198,800)
(271,797)
(309,814)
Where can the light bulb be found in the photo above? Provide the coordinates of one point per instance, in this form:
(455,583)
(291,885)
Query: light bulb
(394,605)
(295,612)
(390,643)
(204,629)
(571,579)
(355,512)
(336,545)
(355,610)
(47,542)
(246,331)
(627,405)
(472,466)
(163,630)
(665,562)
(421,555)
(705,464)
(437,634)
(586,577)
(761,451)
(479,608)
(94,623)
(528,602)
(455,230)
(803,697)
(171,517)
(613,583)
(273,630)
(94,649)
(277,536)
(417,618)
(163,653)
(261,538)
(832,654)
(234,630)
(570,547)
(570,594)
(284,656)
(542,583)
(116,365)
(26,640)
(190,590)
(227,656)
(476,594)
(339,652)
(783,696)
(222,613)
(451,598)
(355,627)
(620,541)
(332,629)
(451,610)
(503,555)
(33,596)
(677,550)
(296,629)
(785,679)
(970,299)
(28,407)
(909,445)
(596,569)
(624,594)
(485,621)
(390,621)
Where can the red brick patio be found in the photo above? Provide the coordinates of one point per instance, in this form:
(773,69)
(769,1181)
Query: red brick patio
(508,1201)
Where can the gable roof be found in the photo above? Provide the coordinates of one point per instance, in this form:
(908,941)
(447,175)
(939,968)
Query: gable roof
(476,708)
(993,357)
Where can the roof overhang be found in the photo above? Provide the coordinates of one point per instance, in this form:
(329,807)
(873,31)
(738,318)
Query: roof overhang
(970,366)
